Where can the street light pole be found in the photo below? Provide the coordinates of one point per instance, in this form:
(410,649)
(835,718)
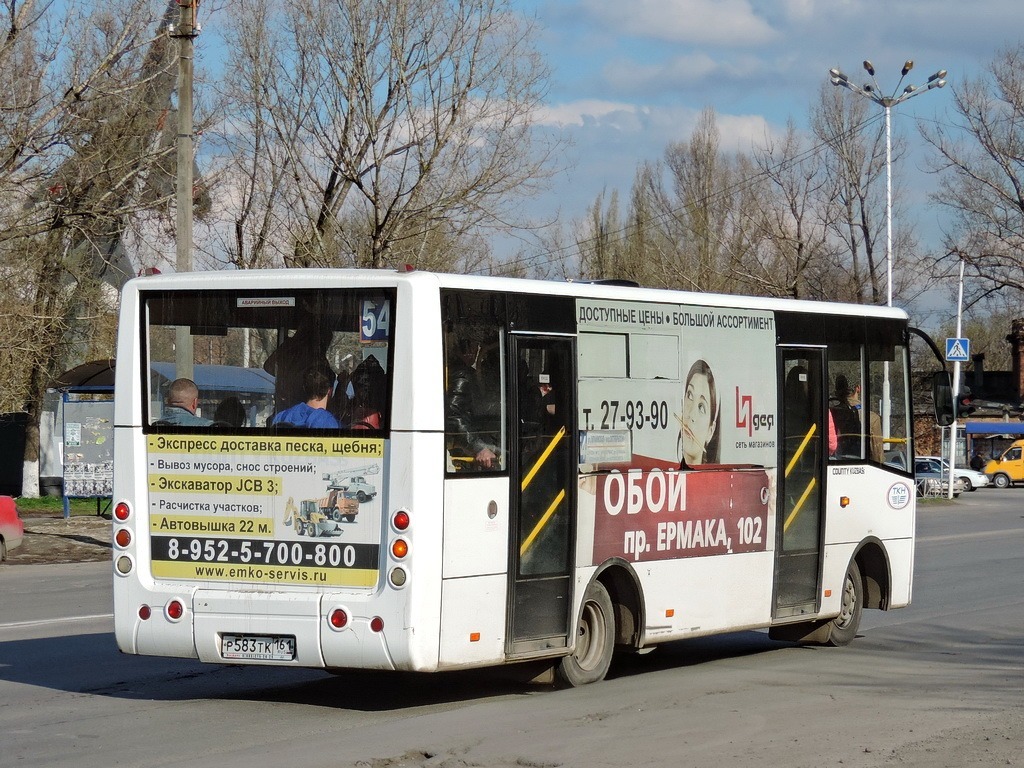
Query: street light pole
(872,92)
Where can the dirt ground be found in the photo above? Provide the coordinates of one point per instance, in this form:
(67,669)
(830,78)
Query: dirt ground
(79,539)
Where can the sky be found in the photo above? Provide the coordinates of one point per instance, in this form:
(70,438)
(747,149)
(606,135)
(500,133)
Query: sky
(631,76)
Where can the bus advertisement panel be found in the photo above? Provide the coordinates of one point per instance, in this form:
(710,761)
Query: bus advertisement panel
(666,502)
(265,510)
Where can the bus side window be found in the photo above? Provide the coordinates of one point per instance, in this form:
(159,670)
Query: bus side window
(474,412)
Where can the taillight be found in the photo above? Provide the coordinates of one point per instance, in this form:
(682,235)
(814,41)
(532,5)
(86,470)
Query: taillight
(122,511)
(400,520)
(175,610)
(338,618)
(123,537)
(145,612)
(377,624)
(399,548)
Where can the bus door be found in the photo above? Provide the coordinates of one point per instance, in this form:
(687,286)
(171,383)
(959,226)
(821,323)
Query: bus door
(803,428)
(543,463)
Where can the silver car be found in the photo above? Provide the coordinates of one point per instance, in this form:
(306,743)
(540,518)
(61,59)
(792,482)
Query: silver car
(932,480)
(973,479)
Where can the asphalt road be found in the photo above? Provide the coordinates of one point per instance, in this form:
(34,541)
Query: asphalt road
(936,684)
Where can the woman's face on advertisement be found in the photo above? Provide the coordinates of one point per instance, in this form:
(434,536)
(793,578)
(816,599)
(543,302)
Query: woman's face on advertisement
(697,426)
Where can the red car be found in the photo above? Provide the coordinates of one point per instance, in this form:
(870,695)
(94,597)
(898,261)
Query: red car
(12,530)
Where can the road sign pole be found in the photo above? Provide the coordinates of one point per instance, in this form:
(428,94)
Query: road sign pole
(956,382)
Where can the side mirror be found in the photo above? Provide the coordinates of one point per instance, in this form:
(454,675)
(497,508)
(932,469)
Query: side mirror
(942,397)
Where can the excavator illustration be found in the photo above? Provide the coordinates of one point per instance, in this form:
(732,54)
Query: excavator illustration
(308,520)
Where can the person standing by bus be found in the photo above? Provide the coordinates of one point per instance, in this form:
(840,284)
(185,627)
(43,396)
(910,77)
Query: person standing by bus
(181,405)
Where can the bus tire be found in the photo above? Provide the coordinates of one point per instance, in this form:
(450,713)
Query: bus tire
(595,640)
(1001,480)
(843,628)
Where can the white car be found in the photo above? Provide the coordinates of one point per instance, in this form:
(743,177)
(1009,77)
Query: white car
(973,479)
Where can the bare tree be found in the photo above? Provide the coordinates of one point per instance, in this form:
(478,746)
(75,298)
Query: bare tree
(371,133)
(982,174)
(77,141)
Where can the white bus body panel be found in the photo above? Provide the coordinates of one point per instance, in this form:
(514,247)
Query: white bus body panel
(475,571)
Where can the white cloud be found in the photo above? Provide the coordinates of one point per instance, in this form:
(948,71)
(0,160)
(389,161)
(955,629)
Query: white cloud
(726,22)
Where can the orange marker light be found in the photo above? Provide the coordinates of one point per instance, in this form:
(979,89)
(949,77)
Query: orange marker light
(474,637)
(844,501)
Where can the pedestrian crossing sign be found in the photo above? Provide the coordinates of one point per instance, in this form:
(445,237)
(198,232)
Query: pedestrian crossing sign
(958,350)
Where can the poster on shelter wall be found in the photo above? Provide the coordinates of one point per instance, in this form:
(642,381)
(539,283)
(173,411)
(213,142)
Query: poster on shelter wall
(88,448)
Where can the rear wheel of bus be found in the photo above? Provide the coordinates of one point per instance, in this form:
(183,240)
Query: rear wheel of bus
(595,640)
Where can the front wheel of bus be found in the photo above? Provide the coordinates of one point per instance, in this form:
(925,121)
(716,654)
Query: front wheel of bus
(843,628)
(595,640)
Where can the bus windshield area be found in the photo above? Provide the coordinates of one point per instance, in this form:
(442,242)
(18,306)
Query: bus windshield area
(280,360)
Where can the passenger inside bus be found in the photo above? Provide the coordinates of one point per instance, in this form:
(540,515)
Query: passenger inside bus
(467,443)
(181,404)
(230,412)
(367,386)
(311,411)
(305,348)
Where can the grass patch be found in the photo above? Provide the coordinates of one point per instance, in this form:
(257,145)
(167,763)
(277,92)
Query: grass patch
(53,506)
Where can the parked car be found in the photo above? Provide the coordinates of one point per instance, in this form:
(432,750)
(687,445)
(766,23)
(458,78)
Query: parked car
(12,530)
(933,481)
(972,478)
(1008,468)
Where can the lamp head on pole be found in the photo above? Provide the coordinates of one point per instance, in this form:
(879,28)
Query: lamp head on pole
(869,68)
(909,65)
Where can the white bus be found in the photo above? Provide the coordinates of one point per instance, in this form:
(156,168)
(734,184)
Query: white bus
(521,471)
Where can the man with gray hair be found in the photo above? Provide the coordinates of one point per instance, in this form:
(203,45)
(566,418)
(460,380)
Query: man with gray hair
(181,404)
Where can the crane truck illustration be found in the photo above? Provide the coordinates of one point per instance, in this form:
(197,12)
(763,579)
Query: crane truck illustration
(346,490)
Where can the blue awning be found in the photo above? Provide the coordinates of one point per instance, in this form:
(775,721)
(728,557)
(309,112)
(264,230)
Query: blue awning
(994,428)
(222,378)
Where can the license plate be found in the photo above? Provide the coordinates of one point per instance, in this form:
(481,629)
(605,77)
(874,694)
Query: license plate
(258,647)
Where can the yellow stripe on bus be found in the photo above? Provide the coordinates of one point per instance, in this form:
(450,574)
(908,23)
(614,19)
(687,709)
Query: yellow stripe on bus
(541,523)
(799,505)
(800,450)
(543,457)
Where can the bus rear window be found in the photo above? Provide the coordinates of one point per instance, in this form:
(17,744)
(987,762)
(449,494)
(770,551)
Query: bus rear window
(302,359)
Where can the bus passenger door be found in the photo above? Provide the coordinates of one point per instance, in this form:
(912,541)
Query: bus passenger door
(543,463)
(805,439)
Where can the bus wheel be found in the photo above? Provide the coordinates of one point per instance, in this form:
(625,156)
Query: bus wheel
(843,628)
(595,640)
(1001,481)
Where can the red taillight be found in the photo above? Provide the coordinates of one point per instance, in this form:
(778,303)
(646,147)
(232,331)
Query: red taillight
(400,520)
(175,610)
(399,548)
(377,624)
(338,618)
(123,537)
(122,511)
(145,612)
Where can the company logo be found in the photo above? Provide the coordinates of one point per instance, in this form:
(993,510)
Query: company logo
(749,419)
(899,495)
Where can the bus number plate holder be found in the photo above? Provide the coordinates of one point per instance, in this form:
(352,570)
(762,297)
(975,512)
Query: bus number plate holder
(258,647)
